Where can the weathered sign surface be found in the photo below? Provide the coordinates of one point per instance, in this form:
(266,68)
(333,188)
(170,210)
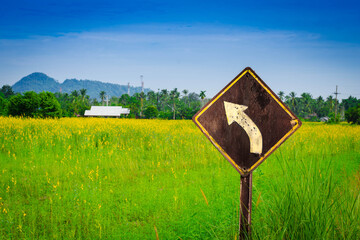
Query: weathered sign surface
(246,121)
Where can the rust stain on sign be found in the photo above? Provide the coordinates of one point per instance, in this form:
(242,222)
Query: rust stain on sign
(246,121)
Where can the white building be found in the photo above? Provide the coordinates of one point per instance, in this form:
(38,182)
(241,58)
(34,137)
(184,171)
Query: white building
(106,111)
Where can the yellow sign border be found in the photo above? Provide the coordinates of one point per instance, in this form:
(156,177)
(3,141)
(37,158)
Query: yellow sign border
(296,124)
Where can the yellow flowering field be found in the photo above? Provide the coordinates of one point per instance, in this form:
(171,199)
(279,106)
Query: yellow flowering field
(94,178)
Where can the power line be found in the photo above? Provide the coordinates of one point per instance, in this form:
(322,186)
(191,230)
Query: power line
(351,94)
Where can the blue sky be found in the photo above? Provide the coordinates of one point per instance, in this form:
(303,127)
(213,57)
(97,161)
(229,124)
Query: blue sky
(301,46)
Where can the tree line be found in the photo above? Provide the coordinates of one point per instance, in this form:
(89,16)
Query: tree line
(320,109)
(163,104)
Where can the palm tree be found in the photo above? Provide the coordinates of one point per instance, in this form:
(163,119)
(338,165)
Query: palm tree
(185,92)
(124,99)
(306,99)
(202,96)
(281,95)
(102,96)
(174,95)
(320,108)
(74,94)
(142,95)
(83,93)
(330,102)
(151,97)
(164,92)
(163,97)
(320,100)
(158,99)
(293,100)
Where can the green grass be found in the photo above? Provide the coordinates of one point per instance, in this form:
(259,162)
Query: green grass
(127,179)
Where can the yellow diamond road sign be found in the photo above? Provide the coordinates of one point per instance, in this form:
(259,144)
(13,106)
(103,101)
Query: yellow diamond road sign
(246,121)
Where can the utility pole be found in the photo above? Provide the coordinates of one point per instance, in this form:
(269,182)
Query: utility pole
(336,94)
(128,88)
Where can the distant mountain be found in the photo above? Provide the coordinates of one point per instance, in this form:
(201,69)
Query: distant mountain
(39,82)
(36,82)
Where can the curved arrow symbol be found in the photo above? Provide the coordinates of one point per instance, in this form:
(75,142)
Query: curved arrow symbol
(235,113)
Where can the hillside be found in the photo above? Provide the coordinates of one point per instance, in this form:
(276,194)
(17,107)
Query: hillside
(39,82)
(36,82)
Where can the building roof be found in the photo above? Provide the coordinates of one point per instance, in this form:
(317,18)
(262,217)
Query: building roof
(106,111)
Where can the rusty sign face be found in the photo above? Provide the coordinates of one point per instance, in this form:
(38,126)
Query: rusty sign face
(246,121)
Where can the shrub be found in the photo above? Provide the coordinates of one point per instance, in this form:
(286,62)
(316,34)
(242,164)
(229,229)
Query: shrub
(151,112)
(353,115)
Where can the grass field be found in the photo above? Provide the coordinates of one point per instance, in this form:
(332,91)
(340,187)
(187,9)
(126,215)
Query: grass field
(148,179)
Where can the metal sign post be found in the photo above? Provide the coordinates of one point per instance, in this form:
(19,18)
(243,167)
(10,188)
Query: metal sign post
(245,206)
(246,122)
